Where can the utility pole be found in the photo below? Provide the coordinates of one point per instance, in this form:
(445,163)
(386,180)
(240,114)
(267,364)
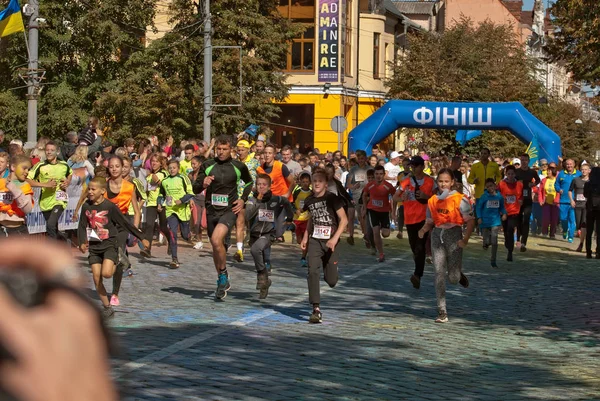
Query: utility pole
(207,70)
(32,9)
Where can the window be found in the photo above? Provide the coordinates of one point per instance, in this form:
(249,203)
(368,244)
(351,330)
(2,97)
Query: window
(301,52)
(348,40)
(376,40)
(385,60)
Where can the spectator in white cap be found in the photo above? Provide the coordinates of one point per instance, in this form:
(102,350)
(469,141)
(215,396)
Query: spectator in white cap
(516,162)
(392,168)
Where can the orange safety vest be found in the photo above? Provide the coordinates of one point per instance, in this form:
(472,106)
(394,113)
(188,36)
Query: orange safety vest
(12,208)
(279,185)
(446,211)
(415,211)
(123,199)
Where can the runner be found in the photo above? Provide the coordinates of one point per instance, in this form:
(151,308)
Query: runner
(415,191)
(16,198)
(578,202)
(591,191)
(53,176)
(483,170)
(448,212)
(400,206)
(530,180)
(243,151)
(327,223)
(97,233)
(175,196)
(122,193)
(549,200)
(512,192)
(197,205)
(567,212)
(376,197)
(185,165)
(355,183)
(491,213)
(262,211)
(301,217)
(153,180)
(220,176)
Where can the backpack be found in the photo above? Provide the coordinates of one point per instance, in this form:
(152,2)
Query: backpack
(86,136)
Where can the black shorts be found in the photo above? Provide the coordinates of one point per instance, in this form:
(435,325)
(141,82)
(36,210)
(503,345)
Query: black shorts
(381,219)
(99,251)
(580,213)
(227,218)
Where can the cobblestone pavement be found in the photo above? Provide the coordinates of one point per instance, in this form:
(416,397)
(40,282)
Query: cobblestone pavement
(529,330)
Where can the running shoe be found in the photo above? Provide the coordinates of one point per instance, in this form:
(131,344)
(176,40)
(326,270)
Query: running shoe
(316,316)
(579,248)
(565,234)
(263,282)
(114,300)
(494,263)
(464,281)
(350,240)
(416,281)
(238,256)
(442,317)
(129,272)
(392,226)
(222,286)
(367,243)
(303,262)
(485,247)
(509,257)
(523,248)
(145,253)
(381,258)
(428,260)
(570,240)
(198,245)
(399,235)
(174,264)
(107,312)
(268,267)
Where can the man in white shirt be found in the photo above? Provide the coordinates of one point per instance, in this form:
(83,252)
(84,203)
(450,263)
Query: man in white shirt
(392,168)
(286,158)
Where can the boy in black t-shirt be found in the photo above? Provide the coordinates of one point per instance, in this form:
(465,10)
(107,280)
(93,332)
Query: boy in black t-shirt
(97,233)
(326,224)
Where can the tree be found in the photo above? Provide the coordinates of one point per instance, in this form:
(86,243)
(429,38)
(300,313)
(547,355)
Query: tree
(575,39)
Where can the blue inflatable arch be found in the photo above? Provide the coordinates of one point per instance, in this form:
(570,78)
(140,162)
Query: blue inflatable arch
(511,116)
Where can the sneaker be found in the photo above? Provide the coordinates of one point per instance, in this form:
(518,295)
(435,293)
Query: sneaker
(174,264)
(262,284)
(523,248)
(579,248)
(280,240)
(565,235)
(129,272)
(509,257)
(485,247)
(381,258)
(268,267)
(570,240)
(494,263)
(303,262)
(367,243)
(199,245)
(464,281)
(399,235)
(392,226)
(552,237)
(442,317)
(145,253)
(114,300)
(316,316)
(350,240)
(588,255)
(107,312)
(238,256)
(428,260)
(416,281)
(222,286)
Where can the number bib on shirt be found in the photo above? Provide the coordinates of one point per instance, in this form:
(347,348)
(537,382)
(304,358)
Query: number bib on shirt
(322,232)
(377,203)
(493,204)
(360,177)
(219,200)
(6,198)
(266,215)
(62,196)
(92,235)
(301,205)
(580,198)
(510,199)
(525,192)
(410,196)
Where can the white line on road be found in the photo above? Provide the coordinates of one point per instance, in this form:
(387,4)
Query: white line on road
(198,338)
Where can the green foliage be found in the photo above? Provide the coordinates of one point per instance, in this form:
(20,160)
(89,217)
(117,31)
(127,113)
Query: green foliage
(14,115)
(576,38)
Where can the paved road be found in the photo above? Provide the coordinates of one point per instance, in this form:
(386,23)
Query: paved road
(529,330)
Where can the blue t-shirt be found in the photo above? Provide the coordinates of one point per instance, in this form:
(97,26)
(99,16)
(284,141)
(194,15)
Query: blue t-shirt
(490,209)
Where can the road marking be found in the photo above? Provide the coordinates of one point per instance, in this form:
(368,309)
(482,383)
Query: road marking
(198,338)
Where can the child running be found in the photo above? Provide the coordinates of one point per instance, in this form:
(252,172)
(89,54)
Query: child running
(262,212)
(301,217)
(327,223)
(157,174)
(197,205)
(175,196)
(16,198)
(447,212)
(490,210)
(376,197)
(97,233)
(512,192)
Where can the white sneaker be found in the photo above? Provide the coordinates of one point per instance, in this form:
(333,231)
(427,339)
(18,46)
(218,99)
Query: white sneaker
(161,239)
(198,245)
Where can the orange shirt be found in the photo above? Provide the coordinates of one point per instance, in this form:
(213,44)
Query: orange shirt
(8,204)
(512,193)
(379,196)
(415,211)
(124,197)
(446,211)
(279,184)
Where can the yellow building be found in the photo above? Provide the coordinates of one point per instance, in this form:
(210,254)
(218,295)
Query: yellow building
(337,67)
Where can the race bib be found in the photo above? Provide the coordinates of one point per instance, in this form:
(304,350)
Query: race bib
(525,191)
(493,204)
(510,199)
(301,205)
(92,235)
(322,232)
(219,200)
(169,201)
(266,215)
(410,195)
(580,198)
(62,196)
(377,203)
(6,197)
(360,177)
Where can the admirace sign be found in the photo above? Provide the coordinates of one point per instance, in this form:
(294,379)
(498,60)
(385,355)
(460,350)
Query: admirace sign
(328,54)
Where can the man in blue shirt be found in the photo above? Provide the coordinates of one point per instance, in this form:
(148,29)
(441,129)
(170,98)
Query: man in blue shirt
(567,212)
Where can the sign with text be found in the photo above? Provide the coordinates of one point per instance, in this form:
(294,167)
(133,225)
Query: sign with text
(329,29)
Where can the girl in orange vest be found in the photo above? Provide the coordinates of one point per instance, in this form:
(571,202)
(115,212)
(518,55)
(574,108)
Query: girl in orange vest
(16,198)
(122,193)
(512,191)
(446,214)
